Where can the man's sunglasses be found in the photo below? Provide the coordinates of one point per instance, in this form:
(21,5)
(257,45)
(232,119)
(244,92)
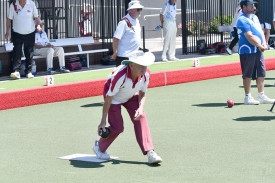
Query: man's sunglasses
(139,9)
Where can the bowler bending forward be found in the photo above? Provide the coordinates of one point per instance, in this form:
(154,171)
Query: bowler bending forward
(126,86)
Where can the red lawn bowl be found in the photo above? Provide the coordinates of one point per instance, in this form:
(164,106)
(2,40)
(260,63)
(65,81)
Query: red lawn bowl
(230,103)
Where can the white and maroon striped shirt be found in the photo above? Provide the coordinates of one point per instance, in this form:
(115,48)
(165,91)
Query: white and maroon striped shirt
(121,85)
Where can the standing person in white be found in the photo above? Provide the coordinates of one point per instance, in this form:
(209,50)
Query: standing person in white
(127,37)
(22,13)
(168,23)
(234,25)
(45,48)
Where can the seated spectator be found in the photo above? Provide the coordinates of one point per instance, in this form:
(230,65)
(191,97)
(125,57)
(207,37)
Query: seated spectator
(44,48)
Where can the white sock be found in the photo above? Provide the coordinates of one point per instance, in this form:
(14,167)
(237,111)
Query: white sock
(248,95)
(260,94)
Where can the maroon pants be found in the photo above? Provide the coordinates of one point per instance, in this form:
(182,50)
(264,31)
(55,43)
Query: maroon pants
(116,127)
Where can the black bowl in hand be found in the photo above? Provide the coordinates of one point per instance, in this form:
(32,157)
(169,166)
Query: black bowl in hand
(104,134)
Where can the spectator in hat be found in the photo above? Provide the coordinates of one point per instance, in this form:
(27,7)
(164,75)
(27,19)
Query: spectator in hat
(127,86)
(24,15)
(168,23)
(252,44)
(86,20)
(127,37)
(45,48)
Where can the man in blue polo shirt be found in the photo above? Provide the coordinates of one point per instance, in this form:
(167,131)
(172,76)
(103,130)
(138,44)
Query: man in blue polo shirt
(252,44)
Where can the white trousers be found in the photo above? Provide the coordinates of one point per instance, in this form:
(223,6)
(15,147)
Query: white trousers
(49,53)
(170,30)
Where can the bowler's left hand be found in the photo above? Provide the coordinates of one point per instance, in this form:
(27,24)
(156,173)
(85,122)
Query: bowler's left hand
(139,114)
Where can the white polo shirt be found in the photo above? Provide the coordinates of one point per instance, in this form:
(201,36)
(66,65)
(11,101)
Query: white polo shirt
(23,19)
(41,38)
(238,12)
(129,38)
(169,11)
(121,85)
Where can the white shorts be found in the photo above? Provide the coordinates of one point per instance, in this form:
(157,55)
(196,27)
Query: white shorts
(266,26)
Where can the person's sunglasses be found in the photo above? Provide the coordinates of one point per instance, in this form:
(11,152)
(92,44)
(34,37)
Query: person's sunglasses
(139,9)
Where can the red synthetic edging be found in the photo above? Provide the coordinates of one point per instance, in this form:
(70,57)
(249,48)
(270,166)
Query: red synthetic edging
(57,93)
(199,73)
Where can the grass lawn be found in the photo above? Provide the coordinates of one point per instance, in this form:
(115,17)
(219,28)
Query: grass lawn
(101,74)
(199,139)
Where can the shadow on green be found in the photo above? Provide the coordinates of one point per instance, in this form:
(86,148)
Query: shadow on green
(84,164)
(255,86)
(99,104)
(255,118)
(214,105)
(269,78)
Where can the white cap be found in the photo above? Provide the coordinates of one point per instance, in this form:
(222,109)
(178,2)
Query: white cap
(134,5)
(140,58)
